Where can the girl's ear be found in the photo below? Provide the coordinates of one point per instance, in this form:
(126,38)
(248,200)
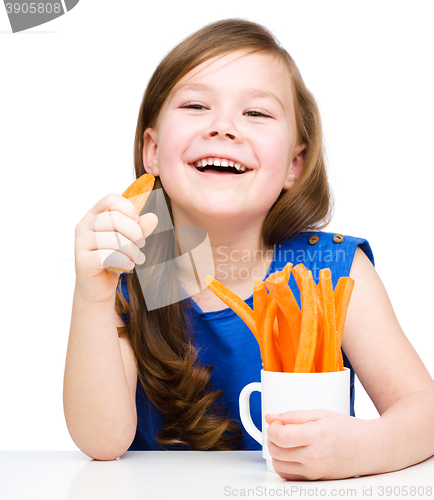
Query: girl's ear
(296,168)
(149,152)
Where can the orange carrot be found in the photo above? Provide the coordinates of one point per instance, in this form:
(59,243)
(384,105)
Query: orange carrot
(297,270)
(309,325)
(288,350)
(139,190)
(271,358)
(287,271)
(276,329)
(342,295)
(281,291)
(259,305)
(319,350)
(137,193)
(280,320)
(276,274)
(289,333)
(328,304)
(233,301)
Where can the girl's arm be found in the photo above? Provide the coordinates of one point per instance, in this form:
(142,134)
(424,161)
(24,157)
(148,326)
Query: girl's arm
(390,370)
(328,445)
(100,371)
(100,381)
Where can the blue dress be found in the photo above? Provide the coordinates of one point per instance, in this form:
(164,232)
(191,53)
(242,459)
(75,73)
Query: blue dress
(224,341)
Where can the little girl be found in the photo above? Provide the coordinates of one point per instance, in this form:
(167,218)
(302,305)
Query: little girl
(233,137)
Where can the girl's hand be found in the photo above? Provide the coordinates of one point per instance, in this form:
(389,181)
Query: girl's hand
(109,235)
(315,444)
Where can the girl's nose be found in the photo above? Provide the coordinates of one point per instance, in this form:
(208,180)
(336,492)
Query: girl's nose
(215,133)
(223,128)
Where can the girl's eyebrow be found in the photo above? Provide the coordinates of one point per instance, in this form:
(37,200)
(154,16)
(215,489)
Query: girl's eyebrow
(192,86)
(264,94)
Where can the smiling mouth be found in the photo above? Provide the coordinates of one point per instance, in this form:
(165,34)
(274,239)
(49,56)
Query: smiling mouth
(220,165)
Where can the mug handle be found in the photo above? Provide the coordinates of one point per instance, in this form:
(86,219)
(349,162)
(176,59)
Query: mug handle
(246,418)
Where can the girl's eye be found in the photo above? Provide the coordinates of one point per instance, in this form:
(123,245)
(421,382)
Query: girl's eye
(193,106)
(257,113)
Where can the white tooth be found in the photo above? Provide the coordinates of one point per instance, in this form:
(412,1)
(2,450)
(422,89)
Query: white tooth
(242,168)
(237,166)
(231,163)
(210,161)
(198,163)
(217,163)
(224,163)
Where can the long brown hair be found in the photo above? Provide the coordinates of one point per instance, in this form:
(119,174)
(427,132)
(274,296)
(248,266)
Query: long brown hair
(166,357)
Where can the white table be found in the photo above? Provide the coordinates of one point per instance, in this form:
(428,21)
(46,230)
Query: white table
(50,475)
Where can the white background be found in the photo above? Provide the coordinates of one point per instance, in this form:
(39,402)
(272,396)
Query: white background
(70,92)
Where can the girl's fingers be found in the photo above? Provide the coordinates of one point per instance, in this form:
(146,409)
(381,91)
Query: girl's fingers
(286,454)
(120,223)
(114,241)
(148,223)
(297,416)
(291,471)
(115,203)
(291,436)
(104,259)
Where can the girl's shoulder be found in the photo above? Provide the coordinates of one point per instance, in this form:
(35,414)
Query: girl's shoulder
(318,250)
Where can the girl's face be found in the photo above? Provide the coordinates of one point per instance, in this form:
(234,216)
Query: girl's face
(236,110)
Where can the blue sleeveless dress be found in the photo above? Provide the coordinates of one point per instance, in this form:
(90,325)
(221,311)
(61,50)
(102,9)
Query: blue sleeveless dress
(224,341)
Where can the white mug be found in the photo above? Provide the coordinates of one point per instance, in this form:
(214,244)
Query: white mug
(281,392)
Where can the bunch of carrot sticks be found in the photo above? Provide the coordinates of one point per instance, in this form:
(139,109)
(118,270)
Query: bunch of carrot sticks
(306,340)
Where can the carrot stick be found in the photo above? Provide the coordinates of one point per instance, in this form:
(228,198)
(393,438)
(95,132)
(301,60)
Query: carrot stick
(139,190)
(319,350)
(288,350)
(259,304)
(342,295)
(270,357)
(281,291)
(277,353)
(309,324)
(287,271)
(285,274)
(296,271)
(328,304)
(276,274)
(137,193)
(276,329)
(233,301)
(289,333)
